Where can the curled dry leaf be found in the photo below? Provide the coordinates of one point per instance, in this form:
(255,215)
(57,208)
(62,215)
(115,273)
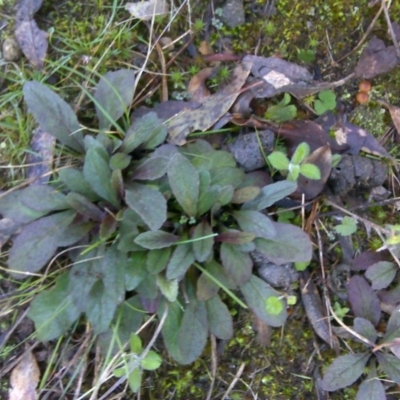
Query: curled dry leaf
(197,86)
(212,110)
(145,10)
(24,378)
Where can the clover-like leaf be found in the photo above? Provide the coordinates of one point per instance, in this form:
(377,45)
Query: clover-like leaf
(152,361)
(279,160)
(310,171)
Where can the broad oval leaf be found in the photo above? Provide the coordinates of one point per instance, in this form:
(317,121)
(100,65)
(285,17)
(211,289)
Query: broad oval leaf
(193,332)
(98,174)
(236,263)
(157,260)
(245,194)
(152,361)
(44,198)
(52,311)
(390,365)
(381,274)
(255,222)
(270,194)
(344,371)
(393,327)
(290,244)
(364,301)
(219,318)
(184,180)
(371,389)
(114,93)
(202,244)
(169,288)
(365,328)
(149,203)
(37,243)
(75,181)
(233,236)
(182,258)
(136,270)
(153,168)
(84,207)
(156,239)
(256,293)
(53,114)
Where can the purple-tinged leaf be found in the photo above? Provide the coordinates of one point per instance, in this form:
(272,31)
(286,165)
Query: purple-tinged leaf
(84,207)
(182,258)
(344,371)
(390,365)
(256,293)
(108,227)
(236,263)
(37,242)
(290,244)
(98,174)
(270,194)
(371,389)
(381,274)
(52,311)
(366,259)
(219,318)
(149,293)
(153,168)
(156,239)
(144,129)
(75,232)
(193,331)
(255,222)
(53,114)
(202,248)
(364,301)
(114,94)
(365,328)
(183,178)
(44,198)
(393,327)
(233,236)
(245,194)
(149,203)
(75,181)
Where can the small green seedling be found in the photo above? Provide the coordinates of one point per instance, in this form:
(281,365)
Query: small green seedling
(283,111)
(135,363)
(326,101)
(296,165)
(347,227)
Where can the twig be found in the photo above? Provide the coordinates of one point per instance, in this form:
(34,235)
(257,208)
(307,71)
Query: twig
(235,379)
(214,363)
(389,23)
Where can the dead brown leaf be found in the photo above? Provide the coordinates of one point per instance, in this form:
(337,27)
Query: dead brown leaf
(24,378)
(395,115)
(212,110)
(376,59)
(197,86)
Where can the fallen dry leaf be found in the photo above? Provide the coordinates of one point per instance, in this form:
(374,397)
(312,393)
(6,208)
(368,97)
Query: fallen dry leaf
(197,85)
(144,10)
(24,379)
(212,110)
(32,41)
(376,59)
(395,115)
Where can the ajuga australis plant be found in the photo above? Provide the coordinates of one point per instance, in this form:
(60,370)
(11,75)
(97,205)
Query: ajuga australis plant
(147,226)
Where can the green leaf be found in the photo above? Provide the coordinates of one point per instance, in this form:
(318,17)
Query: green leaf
(219,318)
(114,93)
(108,227)
(214,159)
(52,311)
(381,274)
(182,258)
(270,194)
(44,198)
(148,128)
(344,371)
(37,243)
(236,263)
(169,288)
(279,160)
(152,361)
(136,270)
(156,239)
(393,327)
(101,306)
(310,171)
(75,232)
(184,181)
(274,305)
(120,161)
(75,181)
(84,207)
(326,101)
(202,248)
(149,203)
(347,227)
(98,174)
(282,111)
(294,172)
(390,365)
(290,244)
(135,344)
(153,168)
(245,194)
(256,223)
(301,152)
(193,332)
(371,389)
(256,293)
(207,199)
(135,380)
(148,288)
(227,176)
(157,260)
(53,115)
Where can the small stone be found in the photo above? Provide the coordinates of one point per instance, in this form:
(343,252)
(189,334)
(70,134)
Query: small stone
(11,50)
(167,42)
(233,13)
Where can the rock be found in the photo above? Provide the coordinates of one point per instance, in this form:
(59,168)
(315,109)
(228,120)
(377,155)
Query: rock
(233,13)
(246,149)
(11,50)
